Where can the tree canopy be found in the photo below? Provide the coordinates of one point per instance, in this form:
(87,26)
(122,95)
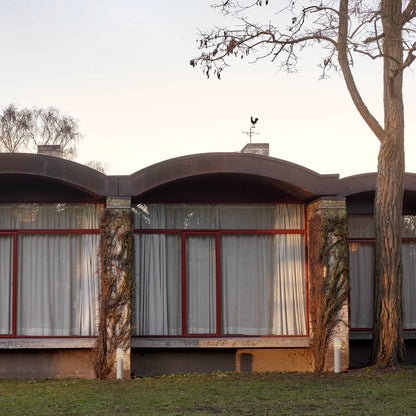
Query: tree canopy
(23,130)
(380,30)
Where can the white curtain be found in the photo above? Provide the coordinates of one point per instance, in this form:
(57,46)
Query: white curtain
(409,285)
(219,216)
(6,283)
(50,216)
(262,275)
(263,285)
(361,281)
(201,284)
(157,294)
(57,285)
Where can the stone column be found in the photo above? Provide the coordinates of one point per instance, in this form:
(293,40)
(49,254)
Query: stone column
(317,212)
(116,265)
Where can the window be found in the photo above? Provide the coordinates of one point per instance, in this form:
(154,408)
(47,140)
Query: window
(48,269)
(361,233)
(219,269)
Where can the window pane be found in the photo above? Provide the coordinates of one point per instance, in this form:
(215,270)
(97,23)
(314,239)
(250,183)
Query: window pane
(361,281)
(219,216)
(201,284)
(58,285)
(409,285)
(361,226)
(263,285)
(50,216)
(6,283)
(157,294)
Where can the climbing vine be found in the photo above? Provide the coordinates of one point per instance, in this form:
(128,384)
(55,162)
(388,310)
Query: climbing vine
(330,289)
(116,259)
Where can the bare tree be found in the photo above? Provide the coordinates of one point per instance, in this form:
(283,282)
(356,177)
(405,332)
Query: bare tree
(50,127)
(380,30)
(97,165)
(24,129)
(15,127)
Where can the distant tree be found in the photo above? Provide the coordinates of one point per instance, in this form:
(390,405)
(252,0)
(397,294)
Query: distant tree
(100,166)
(15,127)
(23,130)
(382,30)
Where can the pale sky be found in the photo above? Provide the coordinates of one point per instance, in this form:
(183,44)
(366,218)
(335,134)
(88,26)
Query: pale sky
(121,68)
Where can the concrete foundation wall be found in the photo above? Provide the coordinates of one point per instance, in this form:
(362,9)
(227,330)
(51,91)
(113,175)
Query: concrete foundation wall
(47,363)
(149,362)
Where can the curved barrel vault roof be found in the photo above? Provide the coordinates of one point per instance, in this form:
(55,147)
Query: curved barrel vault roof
(294,179)
(56,169)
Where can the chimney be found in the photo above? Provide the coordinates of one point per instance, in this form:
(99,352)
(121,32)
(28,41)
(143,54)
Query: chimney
(50,150)
(256,148)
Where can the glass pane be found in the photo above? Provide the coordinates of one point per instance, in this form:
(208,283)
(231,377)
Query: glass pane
(58,285)
(201,284)
(50,216)
(263,285)
(157,294)
(361,226)
(361,281)
(6,283)
(219,216)
(409,285)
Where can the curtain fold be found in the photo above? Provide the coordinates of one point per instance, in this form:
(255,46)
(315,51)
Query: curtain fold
(50,216)
(361,281)
(6,283)
(157,294)
(58,285)
(201,284)
(262,275)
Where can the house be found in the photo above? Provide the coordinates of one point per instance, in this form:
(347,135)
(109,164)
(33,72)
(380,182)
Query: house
(222,263)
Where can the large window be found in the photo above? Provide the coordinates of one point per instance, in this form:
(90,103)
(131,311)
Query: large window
(219,269)
(361,233)
(48,269)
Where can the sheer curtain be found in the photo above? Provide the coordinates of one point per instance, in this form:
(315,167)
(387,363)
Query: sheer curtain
(58,285)
(157,294)
(201,284)
(409,285)
(6,282)
(263,285)
(262,275)
(361,281)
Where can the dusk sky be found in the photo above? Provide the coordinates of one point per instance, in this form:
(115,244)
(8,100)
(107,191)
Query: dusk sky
(121,68)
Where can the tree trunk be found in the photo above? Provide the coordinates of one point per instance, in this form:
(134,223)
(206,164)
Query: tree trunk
(388,346)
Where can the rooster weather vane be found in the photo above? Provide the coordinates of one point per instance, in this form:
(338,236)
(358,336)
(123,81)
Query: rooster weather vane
(251,133)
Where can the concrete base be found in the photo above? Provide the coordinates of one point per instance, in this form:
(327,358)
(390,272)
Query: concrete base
(149,362)
(31,363)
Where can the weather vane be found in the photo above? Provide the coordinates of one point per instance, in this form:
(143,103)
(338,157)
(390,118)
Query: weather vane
(252,127)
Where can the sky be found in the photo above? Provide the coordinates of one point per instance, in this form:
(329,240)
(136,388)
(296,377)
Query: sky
(121,69)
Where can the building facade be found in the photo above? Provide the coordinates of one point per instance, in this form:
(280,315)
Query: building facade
(222,263)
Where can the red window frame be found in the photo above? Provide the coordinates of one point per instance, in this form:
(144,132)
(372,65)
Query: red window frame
(218,233)
(15,280)
(372,241)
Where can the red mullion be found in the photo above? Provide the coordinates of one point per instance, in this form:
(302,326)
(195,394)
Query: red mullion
(184,308)
(59,231)
(221,231)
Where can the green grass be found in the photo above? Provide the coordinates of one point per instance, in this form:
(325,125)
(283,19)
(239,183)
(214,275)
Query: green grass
(361,392)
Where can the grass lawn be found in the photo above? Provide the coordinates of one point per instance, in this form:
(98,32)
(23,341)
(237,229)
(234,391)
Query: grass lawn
(358,392)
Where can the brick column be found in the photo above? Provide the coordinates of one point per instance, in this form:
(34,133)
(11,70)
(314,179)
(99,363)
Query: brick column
(316,212)
(116,262)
